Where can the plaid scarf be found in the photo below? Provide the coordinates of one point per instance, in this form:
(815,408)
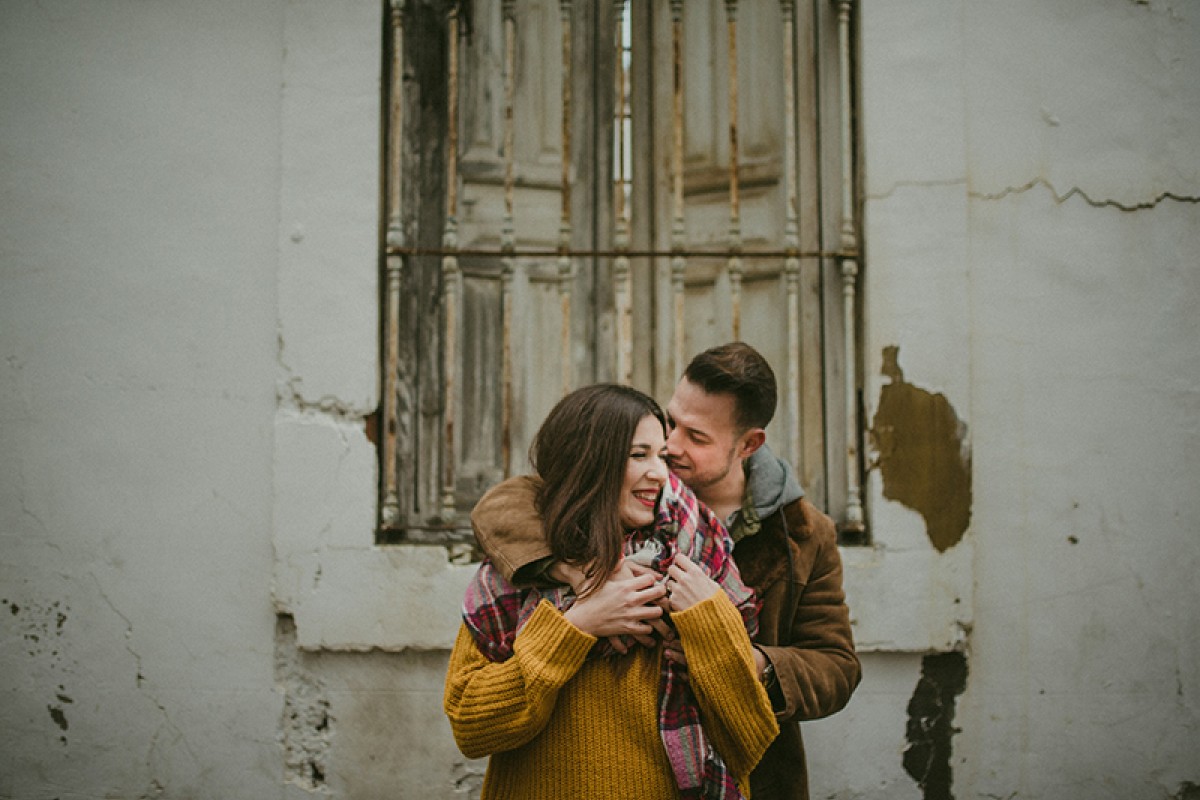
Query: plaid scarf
(495,610)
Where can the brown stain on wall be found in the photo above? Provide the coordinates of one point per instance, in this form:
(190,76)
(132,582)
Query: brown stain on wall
(922,455)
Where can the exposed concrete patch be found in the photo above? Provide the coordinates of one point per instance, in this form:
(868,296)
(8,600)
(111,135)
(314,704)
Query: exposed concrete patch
(922,454)
(930,723)
(306,725)
(468,778)
(1187,791)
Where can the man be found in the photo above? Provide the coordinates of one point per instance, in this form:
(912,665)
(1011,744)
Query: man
(785,548)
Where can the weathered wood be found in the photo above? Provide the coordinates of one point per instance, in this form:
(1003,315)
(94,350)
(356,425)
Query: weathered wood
(389,501)
(529,270)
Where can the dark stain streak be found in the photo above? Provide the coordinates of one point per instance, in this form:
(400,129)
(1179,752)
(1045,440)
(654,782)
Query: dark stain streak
(930,724)
(60,719)
(922,456)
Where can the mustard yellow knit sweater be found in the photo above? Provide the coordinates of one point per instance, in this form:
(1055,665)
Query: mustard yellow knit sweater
(559,727)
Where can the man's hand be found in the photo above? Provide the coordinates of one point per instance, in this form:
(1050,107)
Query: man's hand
(622,606)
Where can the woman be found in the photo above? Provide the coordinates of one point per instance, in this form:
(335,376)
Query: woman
(564,714)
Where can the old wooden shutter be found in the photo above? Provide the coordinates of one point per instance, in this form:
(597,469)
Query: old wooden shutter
(587,191)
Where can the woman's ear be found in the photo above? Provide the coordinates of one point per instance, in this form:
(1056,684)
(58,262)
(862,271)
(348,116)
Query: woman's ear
(751,440)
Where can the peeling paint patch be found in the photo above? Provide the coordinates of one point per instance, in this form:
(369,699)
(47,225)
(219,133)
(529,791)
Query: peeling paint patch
(922,455)
(40,625)
(930,724)
(307,723)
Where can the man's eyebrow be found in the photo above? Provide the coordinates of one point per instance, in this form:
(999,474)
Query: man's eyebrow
(694,431)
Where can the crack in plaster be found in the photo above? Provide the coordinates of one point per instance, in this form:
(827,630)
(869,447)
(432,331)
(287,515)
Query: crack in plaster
(288,394)
(28,512)
(288,397)
(167,722)
(895,187)
(128,630)
(1060,198)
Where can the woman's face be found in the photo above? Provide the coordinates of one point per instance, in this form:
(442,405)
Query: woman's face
(645,474)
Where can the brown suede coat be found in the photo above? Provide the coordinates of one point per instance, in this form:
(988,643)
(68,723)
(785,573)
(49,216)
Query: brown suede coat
(804,627)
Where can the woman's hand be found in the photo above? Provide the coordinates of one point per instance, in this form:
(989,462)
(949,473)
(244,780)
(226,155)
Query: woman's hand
(688,584)
(621,606)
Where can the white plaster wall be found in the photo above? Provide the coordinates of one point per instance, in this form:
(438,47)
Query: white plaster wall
(139,205)
(188,319)
(1032,226)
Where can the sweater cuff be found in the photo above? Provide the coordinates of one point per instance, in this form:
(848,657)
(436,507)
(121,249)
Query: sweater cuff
(714,625)
(551,649)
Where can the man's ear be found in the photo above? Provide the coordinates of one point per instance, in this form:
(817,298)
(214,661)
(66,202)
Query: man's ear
(751,441)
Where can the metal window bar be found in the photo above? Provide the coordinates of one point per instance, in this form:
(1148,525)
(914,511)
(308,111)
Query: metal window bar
(398,252)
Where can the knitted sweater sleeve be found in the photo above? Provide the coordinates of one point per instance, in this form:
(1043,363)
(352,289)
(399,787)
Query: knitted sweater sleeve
(736,710)
(497,706)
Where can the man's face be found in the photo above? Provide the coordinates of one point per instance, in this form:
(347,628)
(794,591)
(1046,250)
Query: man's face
(703,444)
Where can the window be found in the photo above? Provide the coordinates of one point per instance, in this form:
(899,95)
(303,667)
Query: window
(579,192)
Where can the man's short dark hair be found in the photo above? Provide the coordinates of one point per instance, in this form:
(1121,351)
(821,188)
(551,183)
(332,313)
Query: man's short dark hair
(737,369)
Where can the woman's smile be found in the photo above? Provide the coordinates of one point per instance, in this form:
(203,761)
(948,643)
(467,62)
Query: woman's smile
(645,473)
(648,497)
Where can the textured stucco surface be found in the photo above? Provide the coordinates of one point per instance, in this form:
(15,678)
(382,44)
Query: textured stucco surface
(138,218)
(1045,175)
(193,603)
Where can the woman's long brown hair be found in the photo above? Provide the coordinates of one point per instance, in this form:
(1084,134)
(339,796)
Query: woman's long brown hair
(580,453)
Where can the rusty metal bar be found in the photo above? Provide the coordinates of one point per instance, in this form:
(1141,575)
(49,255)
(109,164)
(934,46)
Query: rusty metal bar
(451,274)
(389,506)
(849,241)
(534,252)
(678,261)
(564,228)
(508,239)
(734,266)
(622,286)
(791,264)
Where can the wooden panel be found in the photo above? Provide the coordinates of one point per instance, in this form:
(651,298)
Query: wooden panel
(794,318)
(479,465)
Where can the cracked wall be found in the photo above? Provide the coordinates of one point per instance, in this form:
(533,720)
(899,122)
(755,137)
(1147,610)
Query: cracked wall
(138,262)
(1031,225)
(189,309)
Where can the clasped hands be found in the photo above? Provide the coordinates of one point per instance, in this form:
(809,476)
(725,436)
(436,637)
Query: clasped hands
(630,605)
